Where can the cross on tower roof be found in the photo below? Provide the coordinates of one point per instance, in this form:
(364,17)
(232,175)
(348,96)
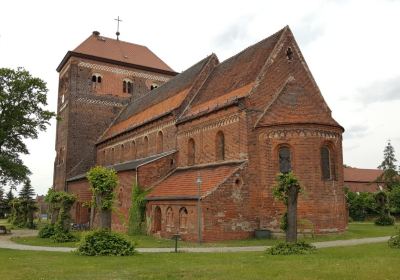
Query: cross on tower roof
(117,33)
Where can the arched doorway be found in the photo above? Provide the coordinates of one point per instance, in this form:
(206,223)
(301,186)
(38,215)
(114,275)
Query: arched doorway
(157,219)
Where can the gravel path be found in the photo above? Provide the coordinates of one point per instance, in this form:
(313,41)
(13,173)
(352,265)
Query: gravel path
(6,243)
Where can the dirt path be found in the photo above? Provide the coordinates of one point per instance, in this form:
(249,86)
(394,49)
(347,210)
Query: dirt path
(6,243)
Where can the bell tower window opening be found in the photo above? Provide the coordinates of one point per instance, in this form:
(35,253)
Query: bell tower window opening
(96,81)
(127,86)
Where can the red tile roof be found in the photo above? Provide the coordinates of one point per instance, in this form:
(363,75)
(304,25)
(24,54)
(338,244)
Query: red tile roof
(235,76)
(116,50)
(182,183)
(361,175)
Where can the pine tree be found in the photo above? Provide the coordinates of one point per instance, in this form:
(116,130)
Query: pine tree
(389,176)
(7,202)
(28,204)
(389,158)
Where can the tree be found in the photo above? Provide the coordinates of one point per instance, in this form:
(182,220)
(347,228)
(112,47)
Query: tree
(103,181)
(389,176)
(22,116)
(7,202)
(23,207)
(2,203)
(287,190)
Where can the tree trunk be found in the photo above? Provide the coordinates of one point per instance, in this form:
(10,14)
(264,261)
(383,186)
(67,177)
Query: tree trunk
(105,215)
(105,219)
(291,233)
(54,215)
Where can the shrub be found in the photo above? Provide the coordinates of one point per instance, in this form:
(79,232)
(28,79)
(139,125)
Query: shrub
(394,241)
(61,236)
(297,248)
(384,220)
(105,243)
(361,205)
(47,231)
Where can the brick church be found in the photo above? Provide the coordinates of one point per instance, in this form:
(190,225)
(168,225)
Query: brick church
(207,142)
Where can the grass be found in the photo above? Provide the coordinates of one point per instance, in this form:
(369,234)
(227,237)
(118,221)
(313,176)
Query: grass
(373,261)
(356,230)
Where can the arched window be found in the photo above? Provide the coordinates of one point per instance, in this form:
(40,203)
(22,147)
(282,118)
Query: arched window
(146,146)
(170,217)
(153,86)
(96,81)
(127,86)
(285,165)
(327,164)
(191,152)
(220,146)
(183,218)
(160,140)
(133,149)
(157,219)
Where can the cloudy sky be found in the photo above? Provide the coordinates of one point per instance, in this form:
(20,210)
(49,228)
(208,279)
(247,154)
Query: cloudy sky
(351,47)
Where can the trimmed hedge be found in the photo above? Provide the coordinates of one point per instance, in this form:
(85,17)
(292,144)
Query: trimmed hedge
(105,243)
(285,248)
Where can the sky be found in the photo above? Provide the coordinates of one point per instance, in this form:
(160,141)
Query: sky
(351,47)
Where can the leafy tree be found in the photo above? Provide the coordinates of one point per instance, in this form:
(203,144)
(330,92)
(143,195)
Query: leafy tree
(389,176)
(22,116)
(103,181)
(287,190)
(137,212)
(361,205)
(2,203)
(23,207)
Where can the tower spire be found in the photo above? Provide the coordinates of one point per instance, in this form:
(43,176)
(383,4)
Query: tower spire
(118,21)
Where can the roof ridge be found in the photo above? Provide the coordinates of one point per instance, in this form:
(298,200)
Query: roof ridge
(254,45)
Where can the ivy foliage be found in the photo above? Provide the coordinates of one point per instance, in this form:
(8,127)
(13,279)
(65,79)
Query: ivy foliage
(60,204)
(394,241)
(23,207)
(103,181)
(382,203)
(105,243)
(137,212)
(285,248)
(281,193)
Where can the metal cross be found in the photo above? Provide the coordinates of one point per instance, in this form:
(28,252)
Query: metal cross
(117,33)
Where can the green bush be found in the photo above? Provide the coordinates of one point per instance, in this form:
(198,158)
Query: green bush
(61,236)
(105,243)
(298,248)
(361,205)
(394,241)
(384,220)
(47,231)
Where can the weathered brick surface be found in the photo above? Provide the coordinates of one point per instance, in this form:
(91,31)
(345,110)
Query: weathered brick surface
(274,103)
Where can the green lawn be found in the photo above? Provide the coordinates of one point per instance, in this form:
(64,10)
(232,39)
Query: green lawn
(375,261)
(356,230)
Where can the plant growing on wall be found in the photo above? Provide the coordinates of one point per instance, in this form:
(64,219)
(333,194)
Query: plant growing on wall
(137,212)
(286,190)
(60,204)
(382,202)
(103,181)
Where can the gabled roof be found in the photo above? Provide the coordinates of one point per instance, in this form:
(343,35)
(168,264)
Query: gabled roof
(361,175)
(182,184)
(96,46)
(157,102)
(235,77)
(128,165)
